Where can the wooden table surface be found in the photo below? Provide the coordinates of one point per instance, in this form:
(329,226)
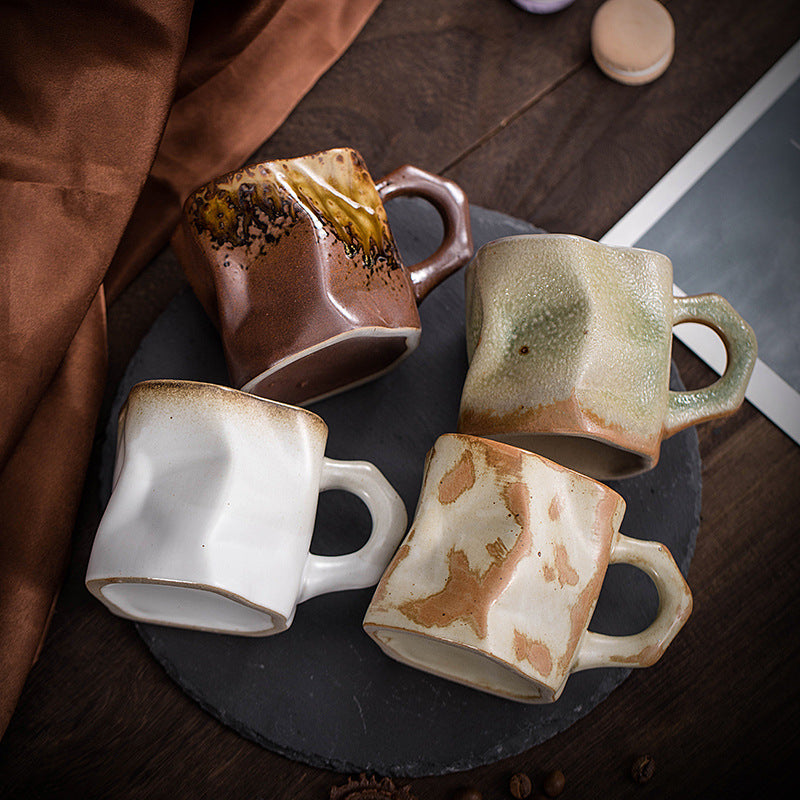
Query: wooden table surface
(512,107)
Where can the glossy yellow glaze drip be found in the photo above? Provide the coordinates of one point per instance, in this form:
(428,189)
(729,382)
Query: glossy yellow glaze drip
(333,187)
(219,216)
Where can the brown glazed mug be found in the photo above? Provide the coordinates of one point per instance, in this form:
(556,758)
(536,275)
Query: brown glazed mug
(295,263)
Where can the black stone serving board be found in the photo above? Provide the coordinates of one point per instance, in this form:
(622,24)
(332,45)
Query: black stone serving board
(322,692)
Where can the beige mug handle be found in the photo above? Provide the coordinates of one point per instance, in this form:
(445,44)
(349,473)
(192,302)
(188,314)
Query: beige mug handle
(726,394)
(674,606)
(451,203)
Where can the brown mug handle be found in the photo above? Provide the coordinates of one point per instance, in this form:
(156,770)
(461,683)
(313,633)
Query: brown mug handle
(451,203)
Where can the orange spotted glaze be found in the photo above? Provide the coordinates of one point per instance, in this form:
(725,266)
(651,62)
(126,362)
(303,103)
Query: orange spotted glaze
(497,583)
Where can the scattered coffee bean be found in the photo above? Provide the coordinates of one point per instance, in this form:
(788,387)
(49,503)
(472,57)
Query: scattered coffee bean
(467,793)
(643,768)
(520,785)
(554,783)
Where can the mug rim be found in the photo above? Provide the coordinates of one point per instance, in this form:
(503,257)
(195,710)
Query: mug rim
(504,241)
(96,586)
(373,629)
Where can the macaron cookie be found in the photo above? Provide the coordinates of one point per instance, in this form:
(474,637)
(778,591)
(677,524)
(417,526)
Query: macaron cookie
(633,41)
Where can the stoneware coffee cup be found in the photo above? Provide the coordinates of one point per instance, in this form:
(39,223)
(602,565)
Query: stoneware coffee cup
(569,343)
(295,263)
(213,507)
(497,580)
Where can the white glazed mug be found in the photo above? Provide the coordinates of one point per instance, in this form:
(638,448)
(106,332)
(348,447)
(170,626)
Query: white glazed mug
(213,507)
(497,580)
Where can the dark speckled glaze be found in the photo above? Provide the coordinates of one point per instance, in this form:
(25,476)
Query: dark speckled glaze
(295,263)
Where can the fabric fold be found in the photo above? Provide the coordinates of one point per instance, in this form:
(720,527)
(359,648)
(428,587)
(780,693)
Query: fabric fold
(216,127)
(111,114)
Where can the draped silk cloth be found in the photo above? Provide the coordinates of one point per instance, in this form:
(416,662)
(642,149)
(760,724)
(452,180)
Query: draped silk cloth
(110,114)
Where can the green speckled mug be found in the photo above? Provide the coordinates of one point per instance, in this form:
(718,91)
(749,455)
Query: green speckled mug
(569,343)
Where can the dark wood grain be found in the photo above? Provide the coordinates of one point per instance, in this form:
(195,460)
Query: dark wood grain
(512,107)
(426,82)
(591,148)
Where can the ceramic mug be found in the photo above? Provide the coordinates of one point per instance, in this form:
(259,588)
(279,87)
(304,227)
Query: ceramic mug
(295,263)
(212,512)
(569,343)
(496,582)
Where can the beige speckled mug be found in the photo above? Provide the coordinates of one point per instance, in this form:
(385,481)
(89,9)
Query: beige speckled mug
(496,582)
(570,342)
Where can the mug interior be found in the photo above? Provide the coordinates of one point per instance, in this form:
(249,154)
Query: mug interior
(460,664)
(315,373)
(187,607)
(593,457)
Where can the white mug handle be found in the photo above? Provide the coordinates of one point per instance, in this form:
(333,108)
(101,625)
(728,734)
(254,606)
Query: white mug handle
(674,606)
(364,567)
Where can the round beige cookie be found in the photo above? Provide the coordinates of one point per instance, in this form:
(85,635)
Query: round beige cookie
(633,41)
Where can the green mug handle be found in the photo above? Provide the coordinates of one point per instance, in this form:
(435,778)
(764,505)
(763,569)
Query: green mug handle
(726,394)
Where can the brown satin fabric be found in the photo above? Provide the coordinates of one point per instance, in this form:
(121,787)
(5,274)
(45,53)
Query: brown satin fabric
(108,119)
(214,128)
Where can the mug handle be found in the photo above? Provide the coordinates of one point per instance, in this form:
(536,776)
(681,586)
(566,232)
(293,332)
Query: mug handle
(364,567)
(451,203)
(726,394)
(674,606)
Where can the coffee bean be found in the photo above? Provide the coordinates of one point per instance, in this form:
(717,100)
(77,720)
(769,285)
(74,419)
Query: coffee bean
(643,768)
(467,793)
(554,783)
(520,785)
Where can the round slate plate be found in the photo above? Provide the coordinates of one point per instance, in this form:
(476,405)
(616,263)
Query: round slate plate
(322,692)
